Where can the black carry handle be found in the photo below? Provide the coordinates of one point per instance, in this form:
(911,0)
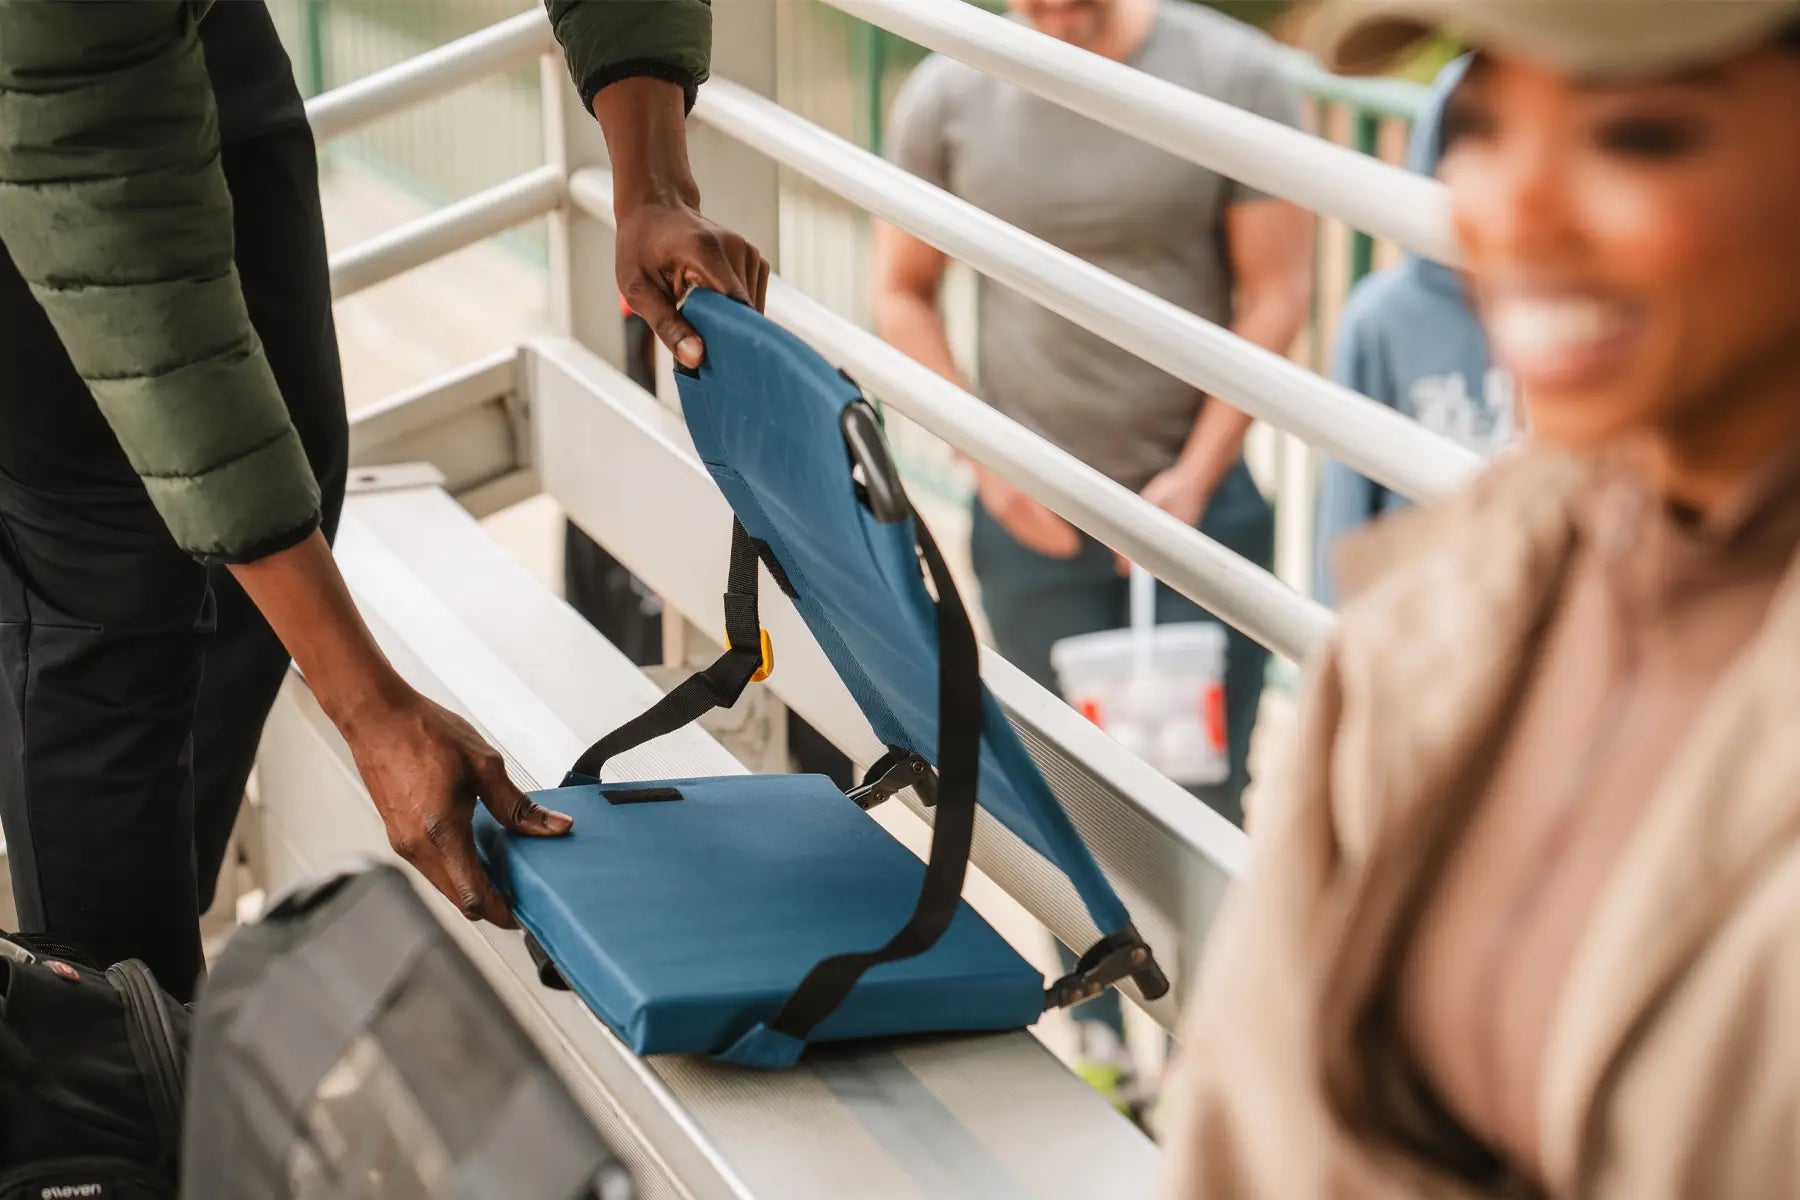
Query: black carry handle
(880,486)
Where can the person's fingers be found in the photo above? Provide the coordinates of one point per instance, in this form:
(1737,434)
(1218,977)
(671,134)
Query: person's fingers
(454,844)
(741,257)
(1022,523)
(651,301)
(1053,536)
(708,262)
(419,854)
(763,271)
(750,264)
(1049,534)
(751,269)
(512,807)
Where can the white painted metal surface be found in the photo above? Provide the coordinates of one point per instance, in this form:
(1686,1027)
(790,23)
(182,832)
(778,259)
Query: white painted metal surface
(994,1117)
(462,223)
(516,40)
(1398,453)
(473,425)
(1408,209)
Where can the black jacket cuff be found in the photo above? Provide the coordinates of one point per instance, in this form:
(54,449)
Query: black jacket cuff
(285,540)
(639,68)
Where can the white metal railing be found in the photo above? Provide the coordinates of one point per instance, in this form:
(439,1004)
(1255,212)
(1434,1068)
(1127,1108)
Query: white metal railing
(1409,210)
(1240,593)
(343,110)
(462,223)
(1389,448)
(1399,98)
(1396,452)
(486,52)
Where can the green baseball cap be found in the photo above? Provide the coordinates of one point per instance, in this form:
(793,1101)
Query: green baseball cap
(1606,37)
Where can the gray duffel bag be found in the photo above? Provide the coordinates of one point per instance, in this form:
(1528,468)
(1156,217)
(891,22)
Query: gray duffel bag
(344,1047)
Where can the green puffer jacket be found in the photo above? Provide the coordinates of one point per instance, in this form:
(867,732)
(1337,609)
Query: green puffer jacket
(114,209)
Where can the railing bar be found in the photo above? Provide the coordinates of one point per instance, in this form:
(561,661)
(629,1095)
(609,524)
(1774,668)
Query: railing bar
(444,69)
(1238,592)
(1395,98)
(1397,205)
(1390,449)
(480,381)
(450,228)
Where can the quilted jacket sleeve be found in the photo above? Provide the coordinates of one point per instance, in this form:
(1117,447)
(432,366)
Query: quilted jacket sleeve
(114,208)
(609,40)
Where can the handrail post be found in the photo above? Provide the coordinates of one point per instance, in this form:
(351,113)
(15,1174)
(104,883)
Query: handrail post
(584,299)
(1366,135)
(741,187)
(313,18)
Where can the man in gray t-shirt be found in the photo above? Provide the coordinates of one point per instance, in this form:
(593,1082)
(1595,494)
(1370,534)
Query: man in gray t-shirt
(1177,230)
(1206,243)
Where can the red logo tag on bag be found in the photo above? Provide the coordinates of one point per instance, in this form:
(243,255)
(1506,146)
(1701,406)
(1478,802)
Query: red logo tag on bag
(63,969)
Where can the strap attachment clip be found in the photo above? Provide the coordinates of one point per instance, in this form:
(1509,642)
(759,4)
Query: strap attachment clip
(1122,955)
(892,774)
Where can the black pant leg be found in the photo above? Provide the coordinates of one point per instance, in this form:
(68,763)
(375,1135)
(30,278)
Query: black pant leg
(103,627)
(103,624)
(282,262)
(107,718)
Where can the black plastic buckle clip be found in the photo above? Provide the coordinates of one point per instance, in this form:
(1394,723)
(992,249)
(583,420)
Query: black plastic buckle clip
(892,774)
(1122,955)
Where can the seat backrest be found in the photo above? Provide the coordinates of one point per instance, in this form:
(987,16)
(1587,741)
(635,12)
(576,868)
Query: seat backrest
(765,412)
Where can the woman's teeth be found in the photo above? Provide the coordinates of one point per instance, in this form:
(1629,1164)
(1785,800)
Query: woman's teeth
(1545,333)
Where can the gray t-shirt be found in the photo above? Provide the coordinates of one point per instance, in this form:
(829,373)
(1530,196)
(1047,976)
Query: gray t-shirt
(1144,215)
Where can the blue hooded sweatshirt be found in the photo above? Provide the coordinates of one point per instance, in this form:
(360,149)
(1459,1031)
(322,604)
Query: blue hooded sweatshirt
(1409,340)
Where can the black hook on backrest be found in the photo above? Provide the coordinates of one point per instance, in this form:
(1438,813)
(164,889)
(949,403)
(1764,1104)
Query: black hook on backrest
(882,490)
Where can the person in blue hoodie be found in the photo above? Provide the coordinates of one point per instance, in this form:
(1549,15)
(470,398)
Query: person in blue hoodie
(1409,340)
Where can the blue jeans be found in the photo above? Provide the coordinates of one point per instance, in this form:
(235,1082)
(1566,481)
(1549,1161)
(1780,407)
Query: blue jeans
(1033,602)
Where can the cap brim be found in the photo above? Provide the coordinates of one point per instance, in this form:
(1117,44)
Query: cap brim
(1373,37)
(1370,36)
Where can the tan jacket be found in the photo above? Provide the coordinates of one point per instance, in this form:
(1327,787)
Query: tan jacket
(1673,1065)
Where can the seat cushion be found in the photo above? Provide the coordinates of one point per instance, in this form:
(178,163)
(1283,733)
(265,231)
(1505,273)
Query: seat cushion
(684,922)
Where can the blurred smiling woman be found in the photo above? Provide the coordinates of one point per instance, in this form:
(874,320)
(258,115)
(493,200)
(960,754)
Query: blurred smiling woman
(1525,918)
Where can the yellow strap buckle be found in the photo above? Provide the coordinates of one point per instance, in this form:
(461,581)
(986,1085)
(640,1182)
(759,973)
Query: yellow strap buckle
(768,656)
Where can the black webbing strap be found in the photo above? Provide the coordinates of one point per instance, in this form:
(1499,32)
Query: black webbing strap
(959,766)
(718,686)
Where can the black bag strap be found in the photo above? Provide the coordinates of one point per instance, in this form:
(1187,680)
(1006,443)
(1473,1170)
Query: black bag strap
(959,767)
(718,686)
